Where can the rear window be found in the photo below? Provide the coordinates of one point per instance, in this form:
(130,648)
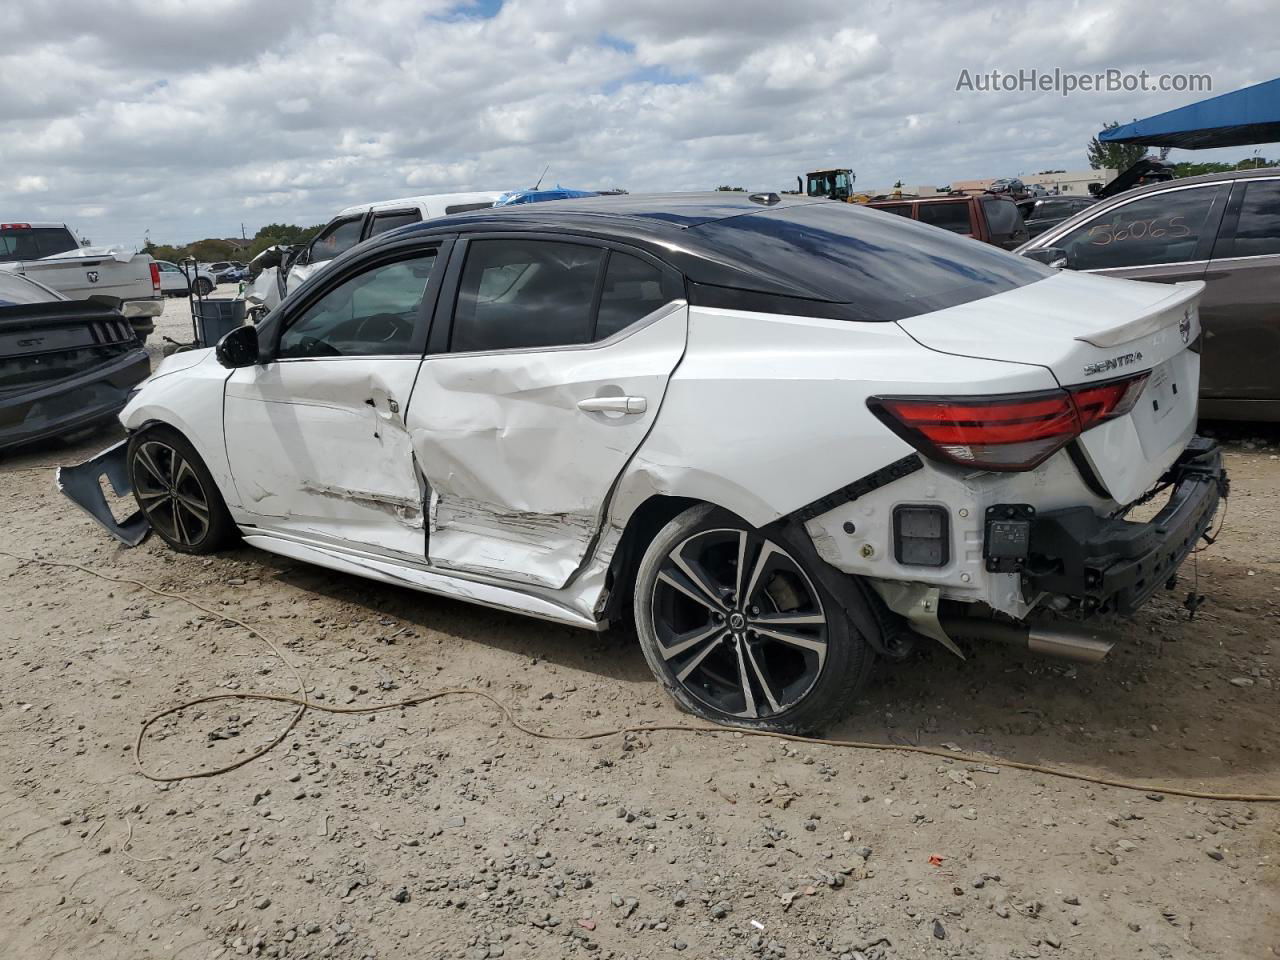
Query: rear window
(32,243)
(950,215)
(1002,215)
(886,268)
(15,290)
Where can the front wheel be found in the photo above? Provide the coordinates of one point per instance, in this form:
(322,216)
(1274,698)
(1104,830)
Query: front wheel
(176,492)
(740,628)
(203,286)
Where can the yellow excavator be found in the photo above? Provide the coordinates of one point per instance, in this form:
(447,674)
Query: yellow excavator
(833,184)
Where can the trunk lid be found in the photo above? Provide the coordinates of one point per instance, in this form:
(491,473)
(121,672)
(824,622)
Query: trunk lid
(1088,329)
(41,343)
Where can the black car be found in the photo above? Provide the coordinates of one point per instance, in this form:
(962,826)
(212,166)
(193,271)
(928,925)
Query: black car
(1041,213)
(64,364)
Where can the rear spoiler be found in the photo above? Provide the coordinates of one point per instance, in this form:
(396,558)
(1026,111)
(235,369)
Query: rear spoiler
(1162,314)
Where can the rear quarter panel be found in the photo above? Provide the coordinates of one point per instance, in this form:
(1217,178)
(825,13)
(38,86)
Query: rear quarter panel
(766,413)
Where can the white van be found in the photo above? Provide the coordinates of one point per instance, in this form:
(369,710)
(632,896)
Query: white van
(366,220)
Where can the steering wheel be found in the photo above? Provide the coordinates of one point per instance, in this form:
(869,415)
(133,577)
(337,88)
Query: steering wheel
(379,328)
(308,346)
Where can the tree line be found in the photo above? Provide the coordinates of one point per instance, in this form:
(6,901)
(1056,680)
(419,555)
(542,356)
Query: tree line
(213,249)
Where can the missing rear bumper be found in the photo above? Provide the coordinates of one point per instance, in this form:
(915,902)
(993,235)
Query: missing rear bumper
(82,484)
(1112,564)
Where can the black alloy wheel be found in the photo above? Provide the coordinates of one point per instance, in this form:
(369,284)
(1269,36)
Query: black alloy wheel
(740,630)
(177,494)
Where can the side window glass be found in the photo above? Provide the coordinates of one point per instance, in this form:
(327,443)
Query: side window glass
(632,289)
(382,222)
(334,240)
(525,293)
(901,209)
(947,215)
(1165,228)
(464,207)
(371,314)
(1258,229)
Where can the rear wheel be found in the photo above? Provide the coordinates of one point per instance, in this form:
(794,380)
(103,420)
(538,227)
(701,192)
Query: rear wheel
(740,628)
(175,490)
(203,286)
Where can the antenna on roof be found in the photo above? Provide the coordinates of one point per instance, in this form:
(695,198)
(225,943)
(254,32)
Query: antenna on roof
(544,173)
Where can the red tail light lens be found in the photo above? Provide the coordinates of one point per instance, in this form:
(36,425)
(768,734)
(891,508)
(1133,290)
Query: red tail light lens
(1009,432)
(1098,402)
(155,277)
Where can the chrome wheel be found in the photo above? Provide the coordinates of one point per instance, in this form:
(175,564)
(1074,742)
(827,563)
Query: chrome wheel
(740,626)
(170,493)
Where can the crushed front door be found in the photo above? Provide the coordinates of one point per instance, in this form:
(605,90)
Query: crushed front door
(521,448)
(316,437)
(318,449)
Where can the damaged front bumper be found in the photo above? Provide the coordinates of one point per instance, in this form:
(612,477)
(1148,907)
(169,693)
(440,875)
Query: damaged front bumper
(1110,564)
(82,484)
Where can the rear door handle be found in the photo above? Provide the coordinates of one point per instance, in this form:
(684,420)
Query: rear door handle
(613,405)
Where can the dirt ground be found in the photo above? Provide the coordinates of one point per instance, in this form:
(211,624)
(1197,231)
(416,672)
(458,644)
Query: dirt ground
(441,832)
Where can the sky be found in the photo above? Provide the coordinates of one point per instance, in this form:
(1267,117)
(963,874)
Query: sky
(178,120)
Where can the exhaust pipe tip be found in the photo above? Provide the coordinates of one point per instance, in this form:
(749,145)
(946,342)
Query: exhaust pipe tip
(1080,646)
(1083,646)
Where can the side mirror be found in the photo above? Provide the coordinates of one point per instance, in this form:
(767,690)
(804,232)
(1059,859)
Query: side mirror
(1049,256)
(238,348)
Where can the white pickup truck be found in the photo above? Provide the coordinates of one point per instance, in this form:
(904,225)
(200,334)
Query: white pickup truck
(51,254)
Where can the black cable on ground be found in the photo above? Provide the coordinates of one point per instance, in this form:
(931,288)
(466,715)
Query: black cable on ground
(303,704)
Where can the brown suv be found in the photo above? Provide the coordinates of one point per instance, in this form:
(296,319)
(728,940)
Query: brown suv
(984,216)
(1222,228)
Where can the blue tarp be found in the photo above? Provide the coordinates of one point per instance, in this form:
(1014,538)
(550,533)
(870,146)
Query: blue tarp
(1251,115)
(537,196)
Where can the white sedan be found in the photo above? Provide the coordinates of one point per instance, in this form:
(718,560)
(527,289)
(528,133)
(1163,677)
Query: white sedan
(175,279)
(782,436)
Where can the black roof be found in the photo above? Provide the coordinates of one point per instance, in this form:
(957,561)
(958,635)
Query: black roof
(664,225)
(773,253)
(678,210)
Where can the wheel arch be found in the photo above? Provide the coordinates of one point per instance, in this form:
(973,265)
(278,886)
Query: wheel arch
(638,531)
(859,601)
(185,393)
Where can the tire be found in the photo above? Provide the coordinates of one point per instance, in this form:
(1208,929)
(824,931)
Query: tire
(203,287)
(176,492)
(789,636)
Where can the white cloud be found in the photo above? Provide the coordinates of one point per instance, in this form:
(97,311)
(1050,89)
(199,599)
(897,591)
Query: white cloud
(190,117)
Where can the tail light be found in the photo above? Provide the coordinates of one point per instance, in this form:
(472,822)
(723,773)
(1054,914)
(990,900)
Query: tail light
(155,277)
(1010,432)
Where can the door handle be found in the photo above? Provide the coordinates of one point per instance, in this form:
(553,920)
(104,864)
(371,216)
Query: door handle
(613,405)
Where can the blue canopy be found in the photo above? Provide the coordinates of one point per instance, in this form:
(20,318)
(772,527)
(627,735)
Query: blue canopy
(1251,115)
(537,196)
